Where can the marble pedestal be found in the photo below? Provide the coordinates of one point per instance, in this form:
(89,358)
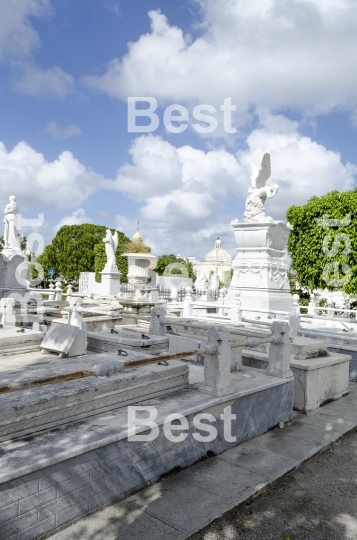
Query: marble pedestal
(110,285)
(76,470)
(260,268)
(14,270)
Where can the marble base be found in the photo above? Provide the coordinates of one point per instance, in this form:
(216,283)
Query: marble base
(110,285)
(13,341)
(60,477)
(14,268)
(35,409)
(260,267)
(316,380)
(319,380)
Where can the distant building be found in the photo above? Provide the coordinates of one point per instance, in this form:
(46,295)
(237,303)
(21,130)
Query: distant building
(218,262)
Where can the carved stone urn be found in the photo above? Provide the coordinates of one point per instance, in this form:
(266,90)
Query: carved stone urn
(138,271)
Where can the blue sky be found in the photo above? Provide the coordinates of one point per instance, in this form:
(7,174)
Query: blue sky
(67,68)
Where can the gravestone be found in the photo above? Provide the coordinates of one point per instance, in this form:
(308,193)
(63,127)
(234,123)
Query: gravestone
(66,340)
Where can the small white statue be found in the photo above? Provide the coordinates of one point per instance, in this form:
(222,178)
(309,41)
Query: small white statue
(11,240)
(259,193)
(214,280)
(111,245)
(201,280)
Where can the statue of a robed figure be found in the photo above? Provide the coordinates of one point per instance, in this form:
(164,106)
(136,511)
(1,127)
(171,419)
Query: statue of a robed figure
(15,273)
(111,245)
(11,240)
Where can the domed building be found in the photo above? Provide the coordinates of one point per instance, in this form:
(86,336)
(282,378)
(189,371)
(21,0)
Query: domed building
(218,262)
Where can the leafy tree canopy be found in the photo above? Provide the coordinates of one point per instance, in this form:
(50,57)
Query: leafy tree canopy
(72,250)
(323,243)
(164,260)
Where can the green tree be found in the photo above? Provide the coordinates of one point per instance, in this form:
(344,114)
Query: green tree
(164,260)
(72,250)
(323,242)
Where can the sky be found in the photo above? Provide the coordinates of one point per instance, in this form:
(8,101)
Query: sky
(69,75)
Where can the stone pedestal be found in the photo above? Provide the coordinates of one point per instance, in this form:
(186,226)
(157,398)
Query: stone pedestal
(110,285)
(260,268)
(14,269)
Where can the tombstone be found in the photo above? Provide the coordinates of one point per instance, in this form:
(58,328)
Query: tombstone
(66,340)
(280,351)
(217,363)
(156,328)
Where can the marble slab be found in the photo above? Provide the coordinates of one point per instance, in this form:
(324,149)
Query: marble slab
(65,339)
(37,408)
(303,348)
(15,339)
(107,341)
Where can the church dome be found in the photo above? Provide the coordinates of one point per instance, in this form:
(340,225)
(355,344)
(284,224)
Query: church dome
(137,238)
(218,254)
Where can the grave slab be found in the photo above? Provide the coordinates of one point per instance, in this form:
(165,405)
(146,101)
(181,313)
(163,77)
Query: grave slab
(127,340)
(65,339)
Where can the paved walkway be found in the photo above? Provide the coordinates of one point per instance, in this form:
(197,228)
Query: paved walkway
(183,503)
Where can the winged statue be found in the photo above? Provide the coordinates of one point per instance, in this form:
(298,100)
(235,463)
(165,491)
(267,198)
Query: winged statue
(259,192)
(111,245)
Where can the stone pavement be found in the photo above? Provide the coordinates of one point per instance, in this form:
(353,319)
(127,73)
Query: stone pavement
(183,503)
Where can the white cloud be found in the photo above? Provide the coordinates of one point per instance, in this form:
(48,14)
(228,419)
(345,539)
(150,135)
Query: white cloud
(18,42)
(184,190)
(58,132)
(265,53)
(52,82)
(78,217)
(62,183)
(17,36)
(300,166)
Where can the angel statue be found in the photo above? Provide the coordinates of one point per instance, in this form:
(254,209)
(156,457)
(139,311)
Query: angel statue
(111,245)
(259,193)
(11,240)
